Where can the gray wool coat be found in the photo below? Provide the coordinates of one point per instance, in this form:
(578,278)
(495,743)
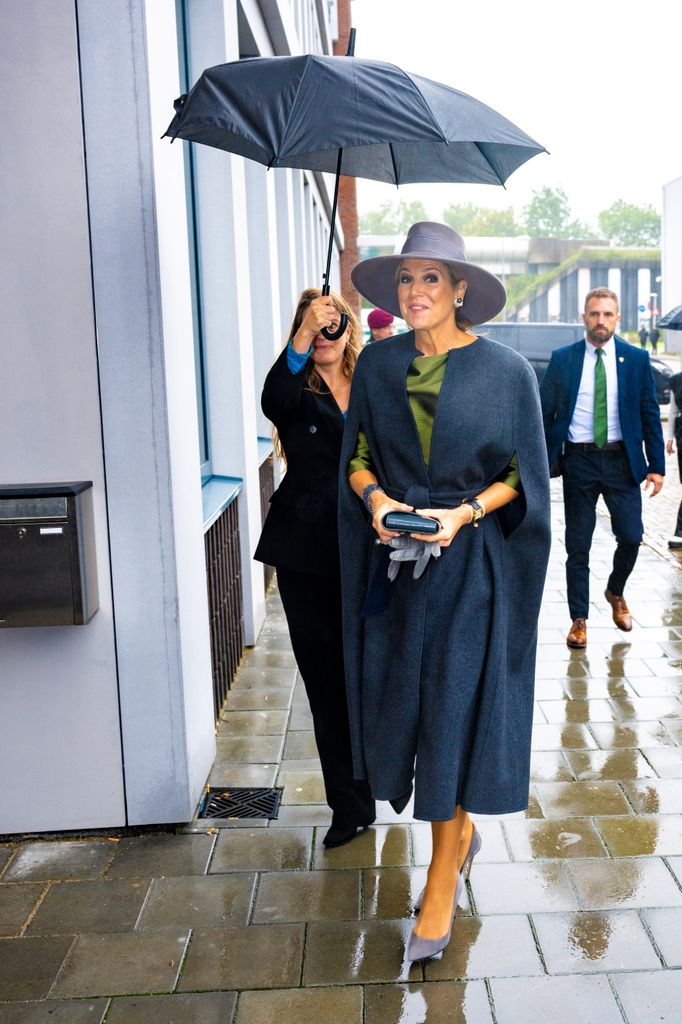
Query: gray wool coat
(440,670)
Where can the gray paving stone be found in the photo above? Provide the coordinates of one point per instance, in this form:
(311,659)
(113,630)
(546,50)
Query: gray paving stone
(650,998)
(213,901)
(73,907)
(28,967)
(6,853)
(122,964)
(588,1000)
(352,952)
(281,849)
(162,854)
(16,903)
(258,956)
(194,1008)
(253,723)
(594,942)
(487,947)
(307,896)
(302,1006)
(52,1011)
(440,1002)
(249,749)
(62,859)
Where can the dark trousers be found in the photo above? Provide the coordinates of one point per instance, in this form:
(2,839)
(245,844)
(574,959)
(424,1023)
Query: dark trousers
(312,605)
(678,525)
(586,475)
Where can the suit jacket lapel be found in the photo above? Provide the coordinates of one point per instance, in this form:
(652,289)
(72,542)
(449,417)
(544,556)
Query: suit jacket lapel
(622,368)
(576,372)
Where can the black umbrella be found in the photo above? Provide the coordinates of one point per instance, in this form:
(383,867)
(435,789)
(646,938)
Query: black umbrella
(364,118)
(672,321)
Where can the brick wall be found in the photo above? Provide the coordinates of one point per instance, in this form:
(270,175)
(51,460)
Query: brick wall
(348,208)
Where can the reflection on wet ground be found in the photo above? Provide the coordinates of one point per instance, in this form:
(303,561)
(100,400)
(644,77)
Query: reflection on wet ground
(572,914)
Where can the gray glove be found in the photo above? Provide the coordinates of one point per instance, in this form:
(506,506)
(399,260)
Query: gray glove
(407,549)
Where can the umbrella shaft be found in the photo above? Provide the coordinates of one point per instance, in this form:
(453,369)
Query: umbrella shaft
(326,287)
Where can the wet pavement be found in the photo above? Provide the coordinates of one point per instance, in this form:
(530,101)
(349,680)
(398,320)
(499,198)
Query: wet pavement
(573,912)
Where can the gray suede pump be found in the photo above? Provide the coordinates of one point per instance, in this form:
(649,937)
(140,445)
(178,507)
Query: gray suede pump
(419,948)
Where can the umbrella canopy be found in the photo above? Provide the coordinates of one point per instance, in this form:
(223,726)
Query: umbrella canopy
(672,321)
(391,126)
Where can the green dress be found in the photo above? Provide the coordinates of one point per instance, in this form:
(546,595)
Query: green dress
(424,381)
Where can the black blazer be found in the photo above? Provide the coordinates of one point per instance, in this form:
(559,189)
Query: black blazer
(300,532)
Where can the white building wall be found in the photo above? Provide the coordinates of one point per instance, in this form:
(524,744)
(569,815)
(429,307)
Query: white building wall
(59,716)
(141,278)
(95,297)
(671,257)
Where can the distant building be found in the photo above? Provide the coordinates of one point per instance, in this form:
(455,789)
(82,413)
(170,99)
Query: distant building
(564,269)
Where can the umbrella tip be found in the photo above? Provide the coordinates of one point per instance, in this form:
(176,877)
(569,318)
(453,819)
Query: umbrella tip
(350,52)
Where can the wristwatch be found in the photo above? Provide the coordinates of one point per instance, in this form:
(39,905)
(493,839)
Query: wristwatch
(477,509)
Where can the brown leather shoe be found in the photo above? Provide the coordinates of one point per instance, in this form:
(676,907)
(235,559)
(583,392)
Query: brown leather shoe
(577,635)
(621,612)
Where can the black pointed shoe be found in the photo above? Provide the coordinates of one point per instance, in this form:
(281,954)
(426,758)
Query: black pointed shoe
(339,835)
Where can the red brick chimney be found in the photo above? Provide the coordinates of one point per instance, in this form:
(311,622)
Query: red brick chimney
(348,206)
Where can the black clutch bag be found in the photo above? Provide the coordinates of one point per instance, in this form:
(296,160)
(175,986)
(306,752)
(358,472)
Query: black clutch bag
(410,522)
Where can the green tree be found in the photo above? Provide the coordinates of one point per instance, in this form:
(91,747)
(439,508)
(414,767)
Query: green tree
(627,224)
(392,219)
(469,219)
(548,216)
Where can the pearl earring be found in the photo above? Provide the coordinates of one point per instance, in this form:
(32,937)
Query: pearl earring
(459,302)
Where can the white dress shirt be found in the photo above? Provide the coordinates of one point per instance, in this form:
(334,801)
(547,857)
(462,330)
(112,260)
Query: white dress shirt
(581,430)
(673,412)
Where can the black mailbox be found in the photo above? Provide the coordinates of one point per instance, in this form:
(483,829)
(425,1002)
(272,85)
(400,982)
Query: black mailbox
(48,575)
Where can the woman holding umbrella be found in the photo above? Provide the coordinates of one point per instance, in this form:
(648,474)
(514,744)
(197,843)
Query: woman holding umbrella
(440,660)
(306,396)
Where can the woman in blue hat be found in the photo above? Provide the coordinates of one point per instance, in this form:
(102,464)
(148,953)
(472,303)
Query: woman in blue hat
(441,628)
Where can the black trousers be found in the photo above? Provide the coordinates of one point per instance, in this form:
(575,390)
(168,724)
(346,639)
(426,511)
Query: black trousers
(312,605)
(678,525)
(586,475)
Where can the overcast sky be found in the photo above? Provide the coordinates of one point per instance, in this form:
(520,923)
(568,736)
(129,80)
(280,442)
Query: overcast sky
(597,82)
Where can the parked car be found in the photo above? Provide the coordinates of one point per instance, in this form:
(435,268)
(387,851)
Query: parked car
(537,342)
(662,375)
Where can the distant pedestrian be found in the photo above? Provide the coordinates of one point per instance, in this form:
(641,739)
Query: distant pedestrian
(673,443)
(654,335)
(643,336)
(380,325)
(599,402)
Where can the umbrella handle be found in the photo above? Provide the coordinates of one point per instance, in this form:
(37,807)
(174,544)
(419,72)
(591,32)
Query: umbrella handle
(330,335)
(326,332)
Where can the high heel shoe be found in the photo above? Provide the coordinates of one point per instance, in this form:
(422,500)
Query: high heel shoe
(474,847)
(465,870)
(419,948)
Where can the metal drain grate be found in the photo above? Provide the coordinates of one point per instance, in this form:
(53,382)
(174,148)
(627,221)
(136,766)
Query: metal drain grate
(241,803)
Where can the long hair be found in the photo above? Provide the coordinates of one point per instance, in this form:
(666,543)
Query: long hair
(314,382)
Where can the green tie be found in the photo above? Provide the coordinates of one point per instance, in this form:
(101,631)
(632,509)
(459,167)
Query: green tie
(600,420)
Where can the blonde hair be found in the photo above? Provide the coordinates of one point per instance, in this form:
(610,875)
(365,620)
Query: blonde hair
(351,351)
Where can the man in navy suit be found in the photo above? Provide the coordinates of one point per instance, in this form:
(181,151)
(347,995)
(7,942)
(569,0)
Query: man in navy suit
(599,407)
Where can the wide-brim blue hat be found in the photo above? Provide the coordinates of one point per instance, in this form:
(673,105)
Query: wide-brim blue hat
(427,240)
